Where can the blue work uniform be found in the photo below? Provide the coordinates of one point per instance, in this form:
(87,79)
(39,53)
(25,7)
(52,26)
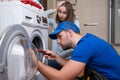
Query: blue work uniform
(99,55)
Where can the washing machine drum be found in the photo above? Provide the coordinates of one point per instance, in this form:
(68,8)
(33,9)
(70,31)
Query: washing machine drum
(17,54)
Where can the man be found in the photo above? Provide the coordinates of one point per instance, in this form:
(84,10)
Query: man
(88,50)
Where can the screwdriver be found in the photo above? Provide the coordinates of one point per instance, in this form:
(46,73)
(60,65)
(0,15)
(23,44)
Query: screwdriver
(41,51)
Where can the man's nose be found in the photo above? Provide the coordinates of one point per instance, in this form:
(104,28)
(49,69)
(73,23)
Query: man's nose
(58,41)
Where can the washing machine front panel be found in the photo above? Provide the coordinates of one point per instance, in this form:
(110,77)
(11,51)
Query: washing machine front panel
(30,18)
(16,56)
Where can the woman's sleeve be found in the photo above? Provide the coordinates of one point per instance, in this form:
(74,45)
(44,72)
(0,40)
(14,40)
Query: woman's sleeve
(77,22)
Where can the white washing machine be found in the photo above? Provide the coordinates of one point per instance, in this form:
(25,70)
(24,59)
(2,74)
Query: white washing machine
(21,24)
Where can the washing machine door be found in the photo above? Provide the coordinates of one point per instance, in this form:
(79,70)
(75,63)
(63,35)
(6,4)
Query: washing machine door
(16,51)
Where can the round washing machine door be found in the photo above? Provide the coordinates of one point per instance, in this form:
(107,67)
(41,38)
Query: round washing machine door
(16,52)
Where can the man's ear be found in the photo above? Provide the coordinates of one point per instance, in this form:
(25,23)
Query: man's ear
(70,32)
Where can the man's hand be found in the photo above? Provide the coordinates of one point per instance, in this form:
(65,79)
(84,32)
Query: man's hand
(50,54)
(34,58)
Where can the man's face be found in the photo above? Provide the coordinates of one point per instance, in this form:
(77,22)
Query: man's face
(64,40)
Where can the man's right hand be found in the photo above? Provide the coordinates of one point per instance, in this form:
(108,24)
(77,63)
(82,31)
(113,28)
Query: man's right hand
(50,54)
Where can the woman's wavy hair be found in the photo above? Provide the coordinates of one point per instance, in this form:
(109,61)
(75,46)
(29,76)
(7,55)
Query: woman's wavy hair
(70,12)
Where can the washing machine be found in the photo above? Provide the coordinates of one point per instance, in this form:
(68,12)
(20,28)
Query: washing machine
(22,27)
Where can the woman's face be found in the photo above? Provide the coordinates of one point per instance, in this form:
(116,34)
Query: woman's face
(62,13)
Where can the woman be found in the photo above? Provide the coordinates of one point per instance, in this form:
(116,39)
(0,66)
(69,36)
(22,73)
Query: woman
(65,12)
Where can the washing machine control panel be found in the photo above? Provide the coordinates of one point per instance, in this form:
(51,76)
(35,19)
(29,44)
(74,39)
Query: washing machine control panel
(22,14)
(44,19)
(41,19)
(38,19)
